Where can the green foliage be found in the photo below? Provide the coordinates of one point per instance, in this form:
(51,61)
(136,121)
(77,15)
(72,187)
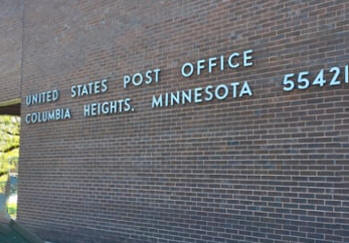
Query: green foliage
(12,209)
(9,142)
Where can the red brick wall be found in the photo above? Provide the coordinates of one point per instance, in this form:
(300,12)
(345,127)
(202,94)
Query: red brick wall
(11,12)
(268,168)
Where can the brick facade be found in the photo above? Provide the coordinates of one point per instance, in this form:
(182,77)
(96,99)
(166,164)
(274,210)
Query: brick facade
(11,28)
(272,167)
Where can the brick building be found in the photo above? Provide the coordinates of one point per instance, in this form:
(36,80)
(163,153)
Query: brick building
(180,121)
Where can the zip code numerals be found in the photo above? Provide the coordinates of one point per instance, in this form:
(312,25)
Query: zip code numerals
(301,81)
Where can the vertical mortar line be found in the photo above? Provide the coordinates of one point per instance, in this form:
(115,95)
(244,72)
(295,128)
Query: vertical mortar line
(22,52)
(20,97)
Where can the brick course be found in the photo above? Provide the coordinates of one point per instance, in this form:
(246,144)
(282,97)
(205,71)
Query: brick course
(268,168)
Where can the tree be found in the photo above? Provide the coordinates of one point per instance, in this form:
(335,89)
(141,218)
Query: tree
(9,143)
